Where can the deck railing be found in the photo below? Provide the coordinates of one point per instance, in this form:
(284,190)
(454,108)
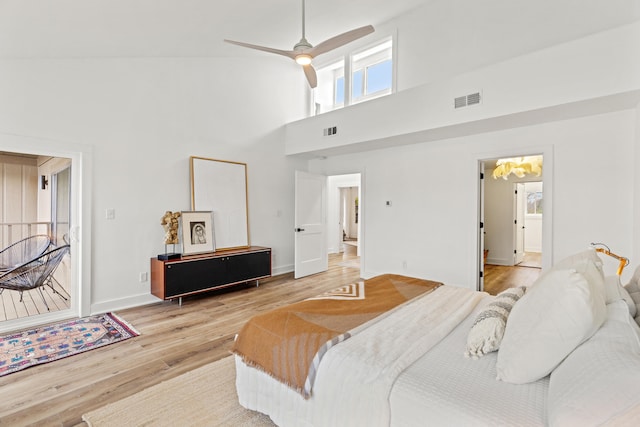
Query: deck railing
(11,232)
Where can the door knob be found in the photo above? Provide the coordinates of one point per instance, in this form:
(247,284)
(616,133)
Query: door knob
(299,230)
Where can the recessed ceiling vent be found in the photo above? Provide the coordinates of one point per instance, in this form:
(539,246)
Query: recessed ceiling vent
(467,100)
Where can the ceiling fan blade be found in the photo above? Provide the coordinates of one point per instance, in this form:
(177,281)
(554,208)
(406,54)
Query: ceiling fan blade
(288,53)
(312,78)
(340,40)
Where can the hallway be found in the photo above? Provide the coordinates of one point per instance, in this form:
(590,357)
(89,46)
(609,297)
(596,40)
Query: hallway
(497,278)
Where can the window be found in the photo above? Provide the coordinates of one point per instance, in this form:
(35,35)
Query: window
(372,73)
(371,76)
(534,202)
(330,92)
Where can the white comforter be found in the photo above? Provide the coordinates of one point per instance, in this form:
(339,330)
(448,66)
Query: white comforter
(367,365)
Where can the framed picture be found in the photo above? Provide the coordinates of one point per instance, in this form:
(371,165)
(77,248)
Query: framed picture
(197,232)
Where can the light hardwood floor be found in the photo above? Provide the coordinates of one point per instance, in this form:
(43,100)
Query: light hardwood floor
(174,339)
(497,278)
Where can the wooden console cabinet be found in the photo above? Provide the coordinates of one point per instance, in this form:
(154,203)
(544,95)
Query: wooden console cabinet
(200,273)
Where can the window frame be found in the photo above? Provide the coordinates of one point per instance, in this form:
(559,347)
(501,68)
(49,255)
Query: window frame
(346,58)
(368,61)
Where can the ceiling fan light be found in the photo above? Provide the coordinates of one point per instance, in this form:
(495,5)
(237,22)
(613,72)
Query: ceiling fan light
(303,59)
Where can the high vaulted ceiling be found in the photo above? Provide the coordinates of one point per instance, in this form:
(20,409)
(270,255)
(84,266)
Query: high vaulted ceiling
(196,28)
(142,28)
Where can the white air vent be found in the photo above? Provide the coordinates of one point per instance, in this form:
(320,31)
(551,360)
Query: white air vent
(330,131)
(464,101)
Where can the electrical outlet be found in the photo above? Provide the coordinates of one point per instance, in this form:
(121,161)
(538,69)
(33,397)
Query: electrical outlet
(144,277)
(110,213)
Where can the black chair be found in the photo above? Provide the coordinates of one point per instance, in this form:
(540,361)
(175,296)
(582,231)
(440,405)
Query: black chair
(23,250)
(34,274)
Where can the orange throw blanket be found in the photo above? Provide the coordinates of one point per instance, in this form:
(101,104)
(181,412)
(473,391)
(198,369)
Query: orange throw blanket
(289,342)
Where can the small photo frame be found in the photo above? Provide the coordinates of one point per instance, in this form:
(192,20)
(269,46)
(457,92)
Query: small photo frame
(197,232)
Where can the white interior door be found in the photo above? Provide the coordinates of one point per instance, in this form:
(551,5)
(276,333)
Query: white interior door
(310,224)
(520,206)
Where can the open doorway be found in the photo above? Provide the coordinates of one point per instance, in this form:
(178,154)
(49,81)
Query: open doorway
(71,170)
(512,203)
(34,236)
(349,212)
(319,220)
(344,220)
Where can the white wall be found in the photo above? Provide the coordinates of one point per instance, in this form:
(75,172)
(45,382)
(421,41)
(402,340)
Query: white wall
(19,181)
(144,118)
(450,37)
(432,224)
(141,118)
(594,74)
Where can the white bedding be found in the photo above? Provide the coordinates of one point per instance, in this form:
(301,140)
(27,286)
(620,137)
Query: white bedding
(408,369)
(367,364)
(463,392)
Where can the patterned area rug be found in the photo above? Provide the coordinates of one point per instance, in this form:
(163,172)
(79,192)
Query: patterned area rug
(21,350)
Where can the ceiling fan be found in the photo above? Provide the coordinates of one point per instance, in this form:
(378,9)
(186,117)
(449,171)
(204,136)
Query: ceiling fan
(303,52)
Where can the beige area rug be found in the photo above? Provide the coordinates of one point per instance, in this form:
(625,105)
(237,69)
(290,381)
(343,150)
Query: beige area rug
(203,397)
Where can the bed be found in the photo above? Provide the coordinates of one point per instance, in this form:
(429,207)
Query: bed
(563,352)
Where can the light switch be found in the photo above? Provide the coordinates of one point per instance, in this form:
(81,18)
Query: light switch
(110,214)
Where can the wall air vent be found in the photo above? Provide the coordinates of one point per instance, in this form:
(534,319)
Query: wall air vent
(467,100)
(330,131)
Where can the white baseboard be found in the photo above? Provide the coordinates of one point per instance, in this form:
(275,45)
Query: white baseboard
(500,261)
(283,269)
(122,303)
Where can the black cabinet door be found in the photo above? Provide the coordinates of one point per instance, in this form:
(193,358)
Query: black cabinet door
(197,275)
(248,266)
(192,276)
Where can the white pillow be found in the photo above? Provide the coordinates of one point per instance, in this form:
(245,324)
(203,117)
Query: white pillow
(634,292)
(599,382)
(487,331)
(616,292)
(633,288)
(589,264)
(586,262)
(559,311)
(572,261)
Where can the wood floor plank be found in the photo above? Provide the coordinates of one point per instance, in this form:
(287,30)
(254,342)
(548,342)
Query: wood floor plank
(174,339)
(497,278)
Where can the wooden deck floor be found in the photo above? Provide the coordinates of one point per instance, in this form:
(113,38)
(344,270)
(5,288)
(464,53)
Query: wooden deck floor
(32,302)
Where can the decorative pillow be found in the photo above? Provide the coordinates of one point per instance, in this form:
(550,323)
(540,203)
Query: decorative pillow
(487,331)
(572,261)
(599,382)
(634,292)
(616,292)
(633,288)
(588,263)
(560,310)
